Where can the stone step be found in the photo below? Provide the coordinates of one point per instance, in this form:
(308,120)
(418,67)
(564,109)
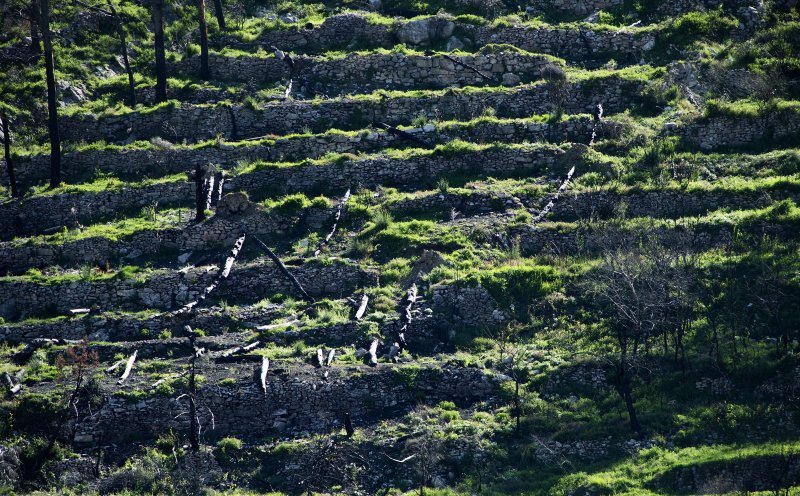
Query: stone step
(168,289)
(617,91)
(24,216)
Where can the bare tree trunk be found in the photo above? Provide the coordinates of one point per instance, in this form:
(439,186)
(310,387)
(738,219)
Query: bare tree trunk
(205,74)
(36,48)
(194,440)
(220,13)
(7,151)
(200,197)
(161,60)
(125,61)
(624,388)
(52,103)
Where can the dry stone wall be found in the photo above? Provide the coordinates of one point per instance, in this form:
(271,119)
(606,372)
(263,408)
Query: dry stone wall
(39,213)
(114,327)
(349,31)
(193,122)
(720,133)
(168,289)
(160,160)
(413,171)
(297,400)
(332,178)
(217,232)
(357,73)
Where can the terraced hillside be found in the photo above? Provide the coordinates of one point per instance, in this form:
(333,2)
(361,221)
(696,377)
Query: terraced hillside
(448,247)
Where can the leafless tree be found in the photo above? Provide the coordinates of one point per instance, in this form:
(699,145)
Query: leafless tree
(425,452)
(75,366)
(632,288)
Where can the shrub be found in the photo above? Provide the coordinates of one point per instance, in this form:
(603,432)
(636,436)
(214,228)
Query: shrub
(382,218)
(228,444)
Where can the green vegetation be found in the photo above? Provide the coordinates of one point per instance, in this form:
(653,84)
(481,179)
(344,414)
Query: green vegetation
(640,339)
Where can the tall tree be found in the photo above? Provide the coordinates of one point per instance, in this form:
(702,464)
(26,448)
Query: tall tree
(52,107)
(220,14)
(7,151)
(124,48)
(161,60)
(201,14)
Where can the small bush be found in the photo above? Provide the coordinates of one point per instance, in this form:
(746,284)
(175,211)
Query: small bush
(382,218)
(228,444)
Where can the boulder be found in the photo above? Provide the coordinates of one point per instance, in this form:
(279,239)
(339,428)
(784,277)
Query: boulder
(511,79)
(236,203)
(425,31)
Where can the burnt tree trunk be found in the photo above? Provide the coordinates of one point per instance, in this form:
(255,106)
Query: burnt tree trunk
(161,60)
(200,197)
(7,151)
(205,73)
(220,14)
(124,50)
(36,48)
(52,102)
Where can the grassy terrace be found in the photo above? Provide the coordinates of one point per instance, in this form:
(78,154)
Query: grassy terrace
(641,339)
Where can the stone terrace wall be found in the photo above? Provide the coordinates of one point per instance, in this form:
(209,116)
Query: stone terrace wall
(204,122)
(352,30)
(123,327)
(216,232)
(586,7)
(38,213)
(154,162)
(357,73)
(411,172)
(168,289)
(574,241)
(297,401)
(661,204)
(719,133)
(333,178)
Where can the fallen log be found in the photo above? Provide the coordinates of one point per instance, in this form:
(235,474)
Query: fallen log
(405,315)
(241,350)
(336,219)
(128,367)
(362,307)
(404,134)
(462,64)
(284,270)
(12,388)
(25,354)
(320,358)
(546,210)
(269,327)
(115,366)
(331,356)
(288,90)
(373,353)
(224,272)
(264,370)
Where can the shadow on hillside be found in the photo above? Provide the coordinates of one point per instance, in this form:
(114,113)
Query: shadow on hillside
(751,474)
